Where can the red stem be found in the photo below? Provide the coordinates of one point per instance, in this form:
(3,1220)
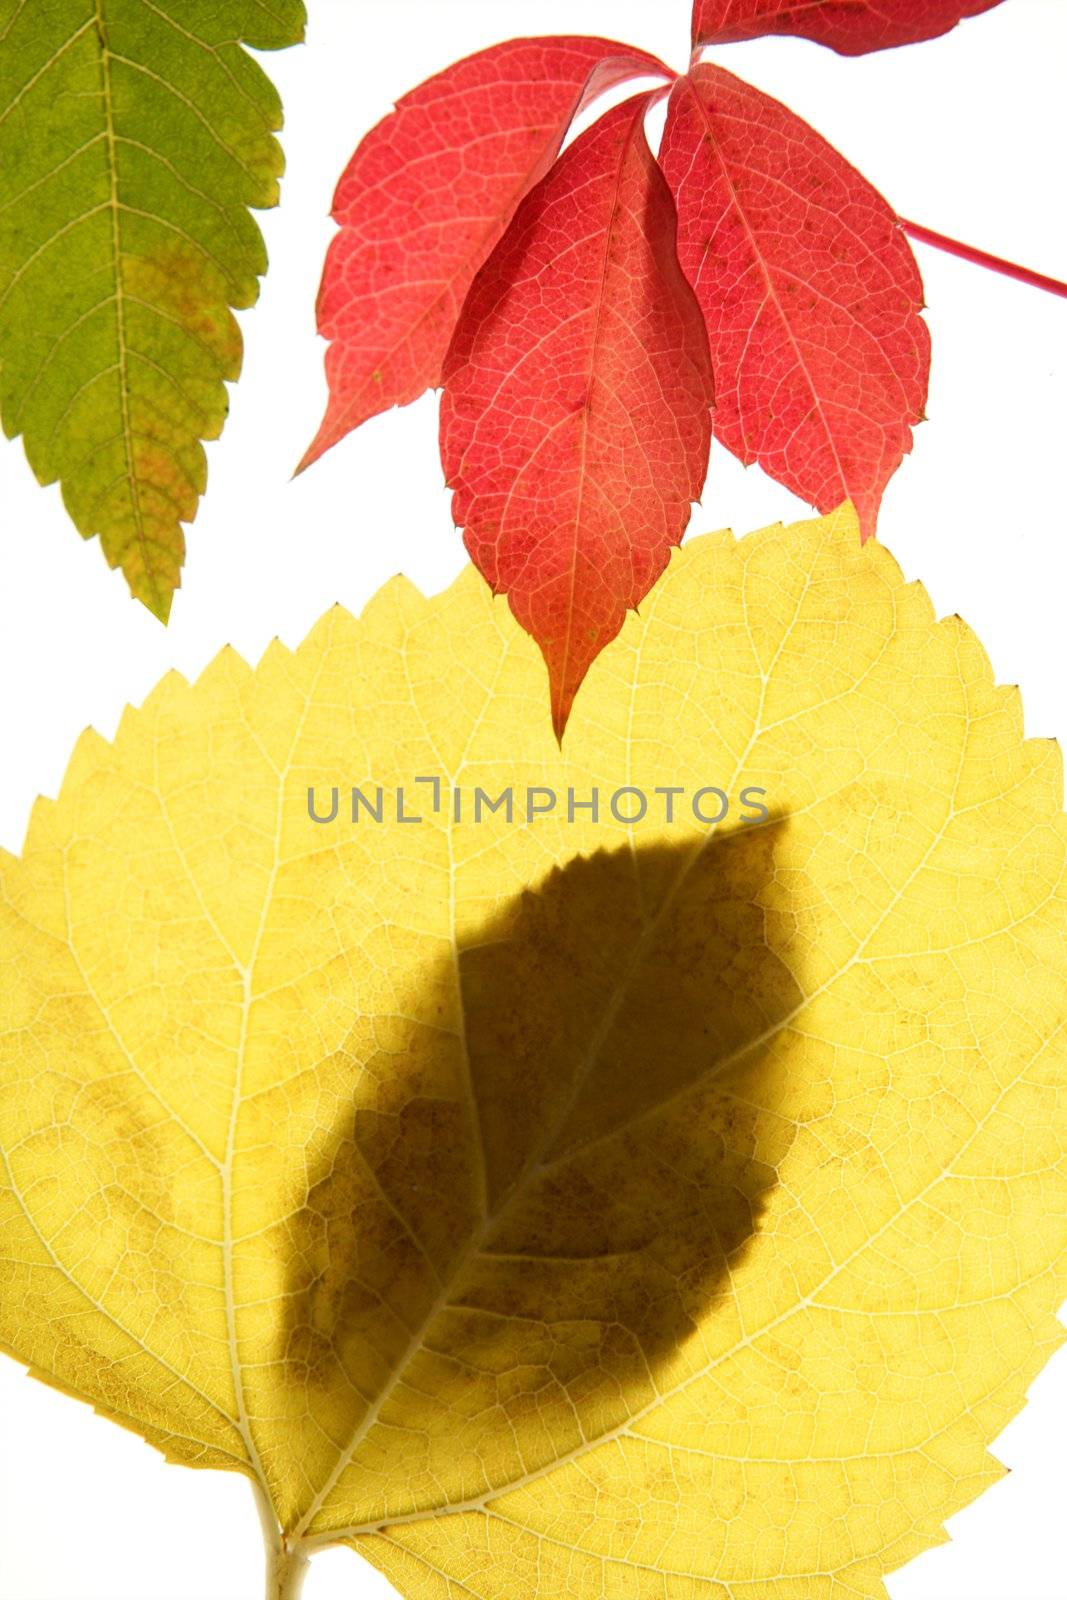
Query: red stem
(982,258)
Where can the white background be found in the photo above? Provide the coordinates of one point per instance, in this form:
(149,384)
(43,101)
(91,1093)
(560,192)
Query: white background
(966,134)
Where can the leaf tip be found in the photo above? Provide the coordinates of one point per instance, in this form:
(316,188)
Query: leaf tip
(562,703)
(324,440)
(157,601)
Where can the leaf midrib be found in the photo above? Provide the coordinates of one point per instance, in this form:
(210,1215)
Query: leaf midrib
(247,971)
(769,284)
(120,309)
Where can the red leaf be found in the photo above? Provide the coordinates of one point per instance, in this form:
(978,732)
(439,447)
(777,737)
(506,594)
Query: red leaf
(575,425)
(851,27)
(809,289)
(425,198)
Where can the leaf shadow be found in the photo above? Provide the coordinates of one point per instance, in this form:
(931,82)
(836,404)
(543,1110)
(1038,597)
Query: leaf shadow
(528,1210)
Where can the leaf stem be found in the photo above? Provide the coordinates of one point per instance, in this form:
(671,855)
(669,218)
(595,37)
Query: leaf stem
(287,1563)
(286,1571)
(982,258)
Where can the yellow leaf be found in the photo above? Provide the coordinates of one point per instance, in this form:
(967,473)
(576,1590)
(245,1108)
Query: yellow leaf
(563,1208)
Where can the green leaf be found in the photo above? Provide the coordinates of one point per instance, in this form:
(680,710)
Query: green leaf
(134,135)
